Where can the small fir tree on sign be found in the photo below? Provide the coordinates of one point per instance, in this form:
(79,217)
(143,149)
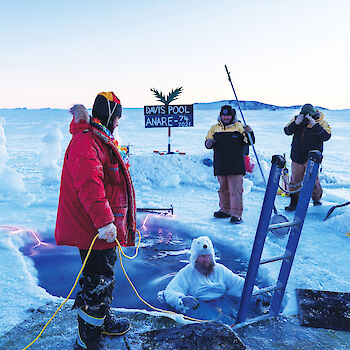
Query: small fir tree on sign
(172,95)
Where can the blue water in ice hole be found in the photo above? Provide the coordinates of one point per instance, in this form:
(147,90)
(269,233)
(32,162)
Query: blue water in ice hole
(161,255)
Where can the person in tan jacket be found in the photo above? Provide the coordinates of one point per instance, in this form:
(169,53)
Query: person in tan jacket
(310,131)
(228,137)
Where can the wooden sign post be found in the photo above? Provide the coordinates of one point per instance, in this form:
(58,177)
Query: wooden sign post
(170,116)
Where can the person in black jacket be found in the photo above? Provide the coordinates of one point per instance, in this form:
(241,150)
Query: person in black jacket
(228,137)
(309,130)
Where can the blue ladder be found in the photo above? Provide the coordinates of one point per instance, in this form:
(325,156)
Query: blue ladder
(278,162)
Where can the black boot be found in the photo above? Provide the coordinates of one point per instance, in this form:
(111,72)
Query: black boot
(293,203)
(115,326)
(89,329)
(235,220)
(221,215)
(93,300)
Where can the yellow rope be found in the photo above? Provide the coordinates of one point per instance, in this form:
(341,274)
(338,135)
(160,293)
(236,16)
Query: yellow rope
(137,247)
(145,302)
(120,251)
(71,291)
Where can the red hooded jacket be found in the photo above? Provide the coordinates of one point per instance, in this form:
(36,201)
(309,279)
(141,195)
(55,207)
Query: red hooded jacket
(96,189)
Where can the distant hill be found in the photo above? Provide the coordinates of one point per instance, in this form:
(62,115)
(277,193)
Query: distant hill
(246,105)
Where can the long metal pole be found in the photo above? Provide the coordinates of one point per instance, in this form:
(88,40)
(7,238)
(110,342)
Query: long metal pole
(248,134)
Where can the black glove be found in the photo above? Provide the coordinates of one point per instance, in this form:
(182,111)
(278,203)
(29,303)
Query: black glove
(264,299)
(210,143)
(190,302)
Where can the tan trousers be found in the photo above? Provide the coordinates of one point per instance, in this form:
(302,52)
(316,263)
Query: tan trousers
(298,171)
(230,194)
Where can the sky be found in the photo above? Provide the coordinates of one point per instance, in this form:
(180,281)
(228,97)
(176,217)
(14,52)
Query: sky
(57,53)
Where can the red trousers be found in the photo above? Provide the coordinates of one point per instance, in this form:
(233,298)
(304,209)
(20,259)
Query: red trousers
(298,171)
(231,194)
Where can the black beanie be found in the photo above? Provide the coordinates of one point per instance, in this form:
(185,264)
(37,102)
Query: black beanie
(228,110)
(107,108)
(308,109)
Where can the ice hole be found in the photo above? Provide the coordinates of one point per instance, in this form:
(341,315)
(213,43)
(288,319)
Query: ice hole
(163,252)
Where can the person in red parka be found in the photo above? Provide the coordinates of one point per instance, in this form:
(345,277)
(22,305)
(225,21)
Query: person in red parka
(96,197)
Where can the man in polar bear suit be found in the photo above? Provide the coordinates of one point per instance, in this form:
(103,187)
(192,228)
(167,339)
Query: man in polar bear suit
(203,279)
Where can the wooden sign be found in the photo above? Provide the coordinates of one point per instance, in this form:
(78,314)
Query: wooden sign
(171,116)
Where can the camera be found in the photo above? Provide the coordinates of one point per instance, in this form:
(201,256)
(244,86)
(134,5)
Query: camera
(305,122)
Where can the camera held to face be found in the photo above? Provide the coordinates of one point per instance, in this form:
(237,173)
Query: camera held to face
(305,122)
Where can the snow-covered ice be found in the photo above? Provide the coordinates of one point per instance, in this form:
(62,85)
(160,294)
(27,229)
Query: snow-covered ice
(32,144)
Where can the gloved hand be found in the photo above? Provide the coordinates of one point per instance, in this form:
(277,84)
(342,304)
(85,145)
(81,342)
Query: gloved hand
(190,302)
(247,128)
(108,232)
(210,143)
(311,120)
(299,119)
(264,299)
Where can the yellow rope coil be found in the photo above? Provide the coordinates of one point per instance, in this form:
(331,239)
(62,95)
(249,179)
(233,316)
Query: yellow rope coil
(71,291)
(120,252)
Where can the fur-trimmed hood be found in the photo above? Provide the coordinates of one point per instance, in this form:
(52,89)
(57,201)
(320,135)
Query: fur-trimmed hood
(80,113)
(201,246)
(232,122)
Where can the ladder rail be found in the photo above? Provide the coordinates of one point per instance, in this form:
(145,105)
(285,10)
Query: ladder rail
(294,236)
(278,162)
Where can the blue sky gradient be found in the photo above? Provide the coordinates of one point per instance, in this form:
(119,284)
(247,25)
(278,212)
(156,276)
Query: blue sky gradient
(57,53)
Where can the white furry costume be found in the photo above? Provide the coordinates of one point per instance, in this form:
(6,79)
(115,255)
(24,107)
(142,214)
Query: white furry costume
(190,282)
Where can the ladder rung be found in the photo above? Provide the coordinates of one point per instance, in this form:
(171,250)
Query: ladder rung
(251,321)
(282,257)
(282,224)
(267,289)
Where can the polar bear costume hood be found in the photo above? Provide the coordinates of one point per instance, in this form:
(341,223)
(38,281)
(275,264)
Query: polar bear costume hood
(201,246)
